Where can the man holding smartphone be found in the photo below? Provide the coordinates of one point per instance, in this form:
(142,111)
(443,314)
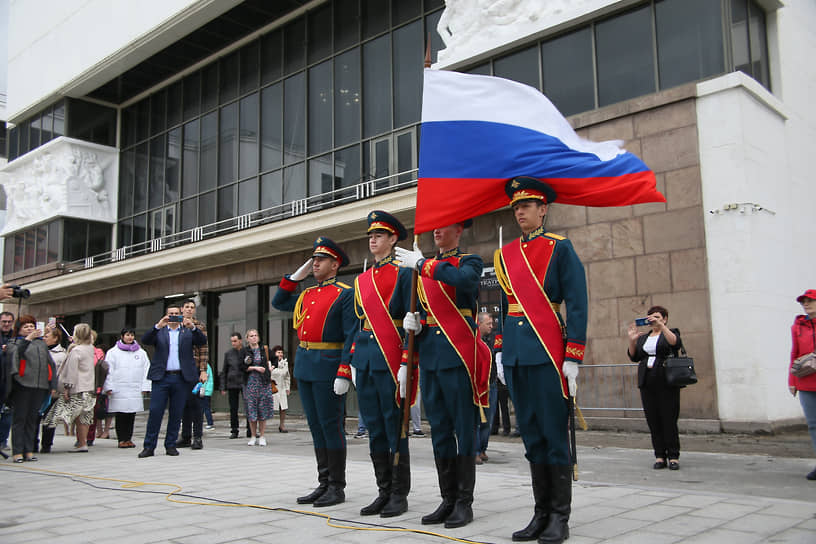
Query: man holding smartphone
(173,372)
(192,419)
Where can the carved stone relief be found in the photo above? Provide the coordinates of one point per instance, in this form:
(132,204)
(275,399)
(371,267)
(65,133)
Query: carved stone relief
(65,177)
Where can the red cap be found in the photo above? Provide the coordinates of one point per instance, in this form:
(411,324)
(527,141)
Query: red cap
(810,293)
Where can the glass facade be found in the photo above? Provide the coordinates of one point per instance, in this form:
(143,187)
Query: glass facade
(309,108)
(62,240)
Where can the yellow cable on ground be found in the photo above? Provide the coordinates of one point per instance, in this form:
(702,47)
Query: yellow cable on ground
(132,484)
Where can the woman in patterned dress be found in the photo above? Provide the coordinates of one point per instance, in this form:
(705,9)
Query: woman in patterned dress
(258,388)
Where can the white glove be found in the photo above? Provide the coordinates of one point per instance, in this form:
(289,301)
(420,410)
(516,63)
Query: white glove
(408,258)
(500,368)
(341,386)
(571,373)
(303,271)
(411,322)
(402,378)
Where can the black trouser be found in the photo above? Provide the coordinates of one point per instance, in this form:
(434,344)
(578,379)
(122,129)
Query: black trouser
(193,417)
(26,402)
(124,426)
(662,407)
(233,405)
(503,411)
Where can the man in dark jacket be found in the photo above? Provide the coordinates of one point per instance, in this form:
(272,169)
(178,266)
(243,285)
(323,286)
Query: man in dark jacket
(232,379)
(6,334)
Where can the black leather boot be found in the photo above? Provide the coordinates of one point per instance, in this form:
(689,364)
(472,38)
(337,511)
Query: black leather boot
(322,477)
(446,472)
(47,439)
(337,480)
(541,494)
(382,473)
(557,530)
(400,487)
(465,481)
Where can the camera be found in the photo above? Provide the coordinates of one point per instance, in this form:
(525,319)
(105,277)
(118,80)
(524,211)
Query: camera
(19,292)
(642,321)
(175,318)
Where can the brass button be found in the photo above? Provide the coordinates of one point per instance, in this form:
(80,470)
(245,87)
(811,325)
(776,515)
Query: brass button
(308,317)
(438,332)
(371,337)
(521,323)
(313,302)
(524,245)
(318,290)
(551,242)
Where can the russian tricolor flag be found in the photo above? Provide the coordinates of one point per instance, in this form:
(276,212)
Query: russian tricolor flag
(480,131)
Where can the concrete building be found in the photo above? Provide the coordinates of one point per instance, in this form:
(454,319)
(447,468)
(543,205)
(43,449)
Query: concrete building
(177,148)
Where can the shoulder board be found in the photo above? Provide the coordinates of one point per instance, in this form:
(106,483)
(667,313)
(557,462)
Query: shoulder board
(343,285)
(554,236)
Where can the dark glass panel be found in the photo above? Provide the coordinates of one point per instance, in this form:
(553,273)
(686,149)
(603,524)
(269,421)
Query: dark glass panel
(206,209)
(156,192)
(294,182)
(294,46)
(321,175)
(431,22)
(140,186)
(228,148)
(128,126)
(405,10)
(271,51)
(228,83)
(209,87)
(125,232)
(759,47)
(382,161)
(42,245)
(47,126)
(294,118)
(53,241)
(271,190)
(347,168)
(375,17)
(172,166)
(190,157)
(13,143)
(347,97)
(59,119)
(8,254)
(271,125)
(482,69)
(689,40)
(92,122)
(433,4)
(408,54)
(158,112)
(189,214)
(34,131)
(248,196)
(142,119)
(169,220)
(346,23)
(99,239)
(174,104)
(320,108)
(250,66)
(126,175)
(19,251)
(406,157)
(209,157)
(248,133)
(192,95)
(377,86)
(31,248)
(319,45)
(521,66)
(626,64)
(569,78)
(75,239)
(139,229)
(226,202)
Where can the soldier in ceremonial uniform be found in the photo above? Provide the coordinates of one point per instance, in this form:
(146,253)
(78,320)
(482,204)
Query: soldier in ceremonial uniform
(382,297)
(540,352)
(454,366)
(325,322)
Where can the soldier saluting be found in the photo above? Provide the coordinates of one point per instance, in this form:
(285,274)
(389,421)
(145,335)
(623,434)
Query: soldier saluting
(326,324)
(537,273)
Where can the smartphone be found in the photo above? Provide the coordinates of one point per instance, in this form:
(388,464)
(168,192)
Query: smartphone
(175,318)
(52,322)
(642,321)
(41,326)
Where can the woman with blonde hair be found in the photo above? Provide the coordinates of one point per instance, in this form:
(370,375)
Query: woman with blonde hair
(77,381)
(258,388)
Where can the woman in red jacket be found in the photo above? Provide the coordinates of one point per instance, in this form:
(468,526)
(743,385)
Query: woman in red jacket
(804,341)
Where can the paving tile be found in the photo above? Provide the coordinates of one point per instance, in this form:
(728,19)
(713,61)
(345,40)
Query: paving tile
(760,524)
(721,536)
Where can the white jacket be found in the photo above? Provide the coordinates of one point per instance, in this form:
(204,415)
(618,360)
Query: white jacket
(127,378)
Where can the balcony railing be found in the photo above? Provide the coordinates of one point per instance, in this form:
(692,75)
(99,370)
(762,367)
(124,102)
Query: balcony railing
(338,197)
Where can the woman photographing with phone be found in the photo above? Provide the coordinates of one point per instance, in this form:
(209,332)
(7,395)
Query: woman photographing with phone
(661,403)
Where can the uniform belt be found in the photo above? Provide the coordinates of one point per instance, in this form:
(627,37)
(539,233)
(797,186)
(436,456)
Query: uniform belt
(367,325)
(177,372)
(431,320)
(321,345)
(515,309)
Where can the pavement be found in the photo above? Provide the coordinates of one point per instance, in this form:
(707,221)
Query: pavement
(230,492)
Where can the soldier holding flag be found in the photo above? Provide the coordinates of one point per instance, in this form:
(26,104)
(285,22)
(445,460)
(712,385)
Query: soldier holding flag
(538,272)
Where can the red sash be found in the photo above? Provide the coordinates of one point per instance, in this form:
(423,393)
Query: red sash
(533,300)
(376,311)
(473,352)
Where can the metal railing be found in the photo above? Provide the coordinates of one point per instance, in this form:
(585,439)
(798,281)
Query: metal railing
(609,388)
(337,197)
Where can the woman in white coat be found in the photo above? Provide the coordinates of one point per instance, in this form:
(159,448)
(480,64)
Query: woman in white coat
(127,379)
(280,373)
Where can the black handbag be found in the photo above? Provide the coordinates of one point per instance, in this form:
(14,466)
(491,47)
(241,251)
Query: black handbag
(680,370)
